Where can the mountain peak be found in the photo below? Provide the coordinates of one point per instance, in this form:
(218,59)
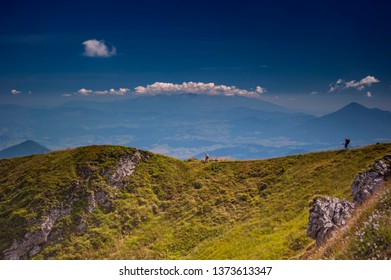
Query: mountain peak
(29,142)
(26,148)
(355,106)
(358,108)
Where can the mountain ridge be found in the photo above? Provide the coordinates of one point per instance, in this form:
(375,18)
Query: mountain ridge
(26,148)
(186,126)
(99,202)
(353,121)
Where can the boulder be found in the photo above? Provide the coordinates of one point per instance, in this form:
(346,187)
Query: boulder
(365,183)
(326,215)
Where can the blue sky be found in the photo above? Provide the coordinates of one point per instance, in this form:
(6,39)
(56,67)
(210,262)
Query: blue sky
(312,55)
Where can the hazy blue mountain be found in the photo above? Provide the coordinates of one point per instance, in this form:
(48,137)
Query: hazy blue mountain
(193,103)
(359,123)
(188,125)
(25,148)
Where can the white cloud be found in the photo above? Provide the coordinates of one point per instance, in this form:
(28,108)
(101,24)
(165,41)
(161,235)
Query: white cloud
(112,91)
(332,88)
(314,92)
(196,88)
(359,85)
(336,85)
(369,80)
(15,92)
(352,84)
(67,94)
(260,90)
(86,92)
(369,94)
(95,48)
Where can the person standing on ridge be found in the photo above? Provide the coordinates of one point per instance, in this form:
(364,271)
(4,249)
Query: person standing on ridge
(347,142)
(206,157)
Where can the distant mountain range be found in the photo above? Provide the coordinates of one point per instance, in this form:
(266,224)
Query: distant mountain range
(25,148)
(189,125)
(354,121)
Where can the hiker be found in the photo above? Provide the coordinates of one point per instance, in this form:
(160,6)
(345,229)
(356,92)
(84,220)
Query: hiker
(347,141)
(206,157)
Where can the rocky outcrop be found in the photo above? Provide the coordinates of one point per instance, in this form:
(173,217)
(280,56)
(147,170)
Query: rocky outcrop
(100,198)
(125,167)
(367,182)
(327,214)
(31,243)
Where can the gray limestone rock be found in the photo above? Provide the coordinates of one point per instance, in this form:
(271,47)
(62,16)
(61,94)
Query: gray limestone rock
(29,245)
(326,215)
(367,182)
(125,167)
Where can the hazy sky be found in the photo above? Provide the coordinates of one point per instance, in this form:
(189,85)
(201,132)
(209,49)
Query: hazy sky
(314,55)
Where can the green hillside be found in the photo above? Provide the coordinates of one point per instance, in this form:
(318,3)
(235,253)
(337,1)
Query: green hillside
(368,234)
(77,204)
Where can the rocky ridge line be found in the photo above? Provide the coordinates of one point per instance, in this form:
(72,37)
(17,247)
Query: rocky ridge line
(329,214)
(365,183)
(33,242)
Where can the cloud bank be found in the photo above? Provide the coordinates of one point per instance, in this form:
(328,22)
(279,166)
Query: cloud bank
(197,88)
(359,85)
(112,91)
(95,48)
(170,88)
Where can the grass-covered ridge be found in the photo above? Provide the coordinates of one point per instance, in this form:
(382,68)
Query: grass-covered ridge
(172,209)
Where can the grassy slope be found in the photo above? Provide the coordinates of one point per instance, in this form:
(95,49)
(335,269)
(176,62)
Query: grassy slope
(366,236)
(172,209)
